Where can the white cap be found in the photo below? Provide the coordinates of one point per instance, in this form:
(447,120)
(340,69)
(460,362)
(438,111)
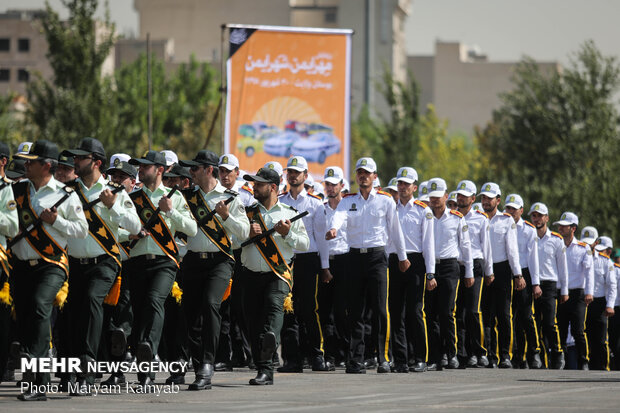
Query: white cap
(452,196)
(297,163)
(514,200)
(540,208)
(567,218)
(604,243)
(376,182)
(24,147)
(392,184)
(466,188)
(118,158)
(318,188)
(490,189)
(333,175)
(477,206)
(423,191)
(367,164)
(437,187)
(589,235)
(346,186)
(309,180)
(228,161)
(275,166)
(171,157)
(407,174)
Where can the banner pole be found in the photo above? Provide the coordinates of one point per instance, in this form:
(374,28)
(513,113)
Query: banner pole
(222,86)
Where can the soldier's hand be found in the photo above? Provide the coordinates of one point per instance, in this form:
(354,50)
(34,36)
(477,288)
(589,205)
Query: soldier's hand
(331,234)
(588,299)
(469,282)
(49,215)
(255,230)
(488,280)
(431,284)
(563,299)
(107,198)
(326,275)
(404,265)
(143,233)
(536,292)
(283,227)
(165,204)
(609,312)
(519,283)
(222,209)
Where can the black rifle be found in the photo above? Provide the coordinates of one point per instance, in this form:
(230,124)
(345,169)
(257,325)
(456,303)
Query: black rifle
(210,214)
(270,231)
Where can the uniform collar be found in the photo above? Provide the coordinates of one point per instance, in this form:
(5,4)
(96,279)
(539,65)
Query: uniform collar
(160,189)
(302,194)
(52,184)
(101,182)
(373,192)
(219,188)
(409,203)
(277,205)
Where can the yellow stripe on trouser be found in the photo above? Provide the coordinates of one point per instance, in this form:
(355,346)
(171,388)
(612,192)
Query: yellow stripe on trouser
(480,317)
(585,336)
(536,326)
(316,310)
(555,326)
(512,289)
(606,367)
(387,310)
(456,336)
(424,321)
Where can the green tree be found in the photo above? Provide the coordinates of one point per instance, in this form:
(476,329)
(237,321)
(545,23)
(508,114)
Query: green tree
(555,139)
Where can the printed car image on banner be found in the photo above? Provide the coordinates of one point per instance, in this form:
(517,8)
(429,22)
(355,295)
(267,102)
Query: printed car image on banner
(288,94)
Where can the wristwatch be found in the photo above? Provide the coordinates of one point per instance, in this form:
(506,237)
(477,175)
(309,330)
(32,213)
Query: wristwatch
(517,277)
(430,276)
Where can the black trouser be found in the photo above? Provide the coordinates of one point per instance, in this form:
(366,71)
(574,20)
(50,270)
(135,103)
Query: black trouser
(150,283)
(440,305)
(204,280)
(35,290)
(263,298)
(5,328)
(596,329)
(470,330)
(545,313)
(614,338)
(407,317)
(574,312)
(497,312)
(526,330)
(306,311)
(173,346)
(333,310)
(368,274)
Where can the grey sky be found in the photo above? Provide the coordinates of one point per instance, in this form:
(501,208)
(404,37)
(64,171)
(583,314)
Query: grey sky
(505,30)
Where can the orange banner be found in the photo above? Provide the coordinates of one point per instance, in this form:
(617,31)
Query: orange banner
(288,94)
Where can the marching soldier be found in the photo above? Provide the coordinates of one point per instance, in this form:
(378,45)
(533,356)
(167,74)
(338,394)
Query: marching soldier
(406,298)
(228,167)
(41,265)
(553,273)
(602,306)
(268,274)
(499,286)
(309,266)
(371,220)
(523,301)
(154,257)
(468,316)
(209,263)
(580,287)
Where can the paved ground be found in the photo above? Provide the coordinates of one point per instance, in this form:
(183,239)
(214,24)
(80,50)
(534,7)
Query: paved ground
(461,390)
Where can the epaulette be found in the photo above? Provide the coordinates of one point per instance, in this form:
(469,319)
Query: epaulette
(247,188)
(231,192)
(6,180)
(283,193)
(616,265)
(315,196)
(457,213)
(529,223)
(384,193)
(602,254)
(420,203)
(557,235)
(482,213)
(507,214)
(349,194)
(582,244)
(290,207)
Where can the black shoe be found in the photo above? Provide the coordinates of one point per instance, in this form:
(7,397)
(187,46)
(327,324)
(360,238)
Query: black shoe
(585,366)
(535,362)
(444,361)
(261,379)
(32,397)
(355,368)
(453,363)
(483,361)
(383,367)
(557,361)
(221,366)
(66,381)
(200,383)
(472,362)
(370,363)
(82,389)
(118,342)
(290,368)
(115,380)
(520,365)
(400,368)
(319,364)
(268,346)
(176,378)
(146,381)
(418,367)
(144,352)
(505,364)
(492,364)
(432,367)
(9,375)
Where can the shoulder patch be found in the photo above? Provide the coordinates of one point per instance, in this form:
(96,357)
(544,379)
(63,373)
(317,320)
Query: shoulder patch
(582,244)
(603,254)
(315,196)
(384,193)
(555,234)
(482,213)
(349,194)
(231,192)
(457,213)
(529,223)
(506,214)
(420,203)
(247,188)
(616,265)
(11,205)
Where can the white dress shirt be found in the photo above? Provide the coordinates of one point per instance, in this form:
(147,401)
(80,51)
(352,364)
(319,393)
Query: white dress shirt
(580,266)
(552,260)
(245,193)
(605,284)
(338,245)
(504,241)
(617,268)
(370,222)
(314,222)
(479,236)
(452,239)
(527,238)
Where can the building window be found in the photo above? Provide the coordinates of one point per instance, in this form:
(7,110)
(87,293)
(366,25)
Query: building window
(5,44)
(23,75)
(23,45)
(5,75)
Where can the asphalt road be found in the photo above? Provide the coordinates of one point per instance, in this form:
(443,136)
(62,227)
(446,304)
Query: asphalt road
(461,390)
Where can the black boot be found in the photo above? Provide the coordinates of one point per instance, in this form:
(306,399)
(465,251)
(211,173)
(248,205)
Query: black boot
(204,372)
